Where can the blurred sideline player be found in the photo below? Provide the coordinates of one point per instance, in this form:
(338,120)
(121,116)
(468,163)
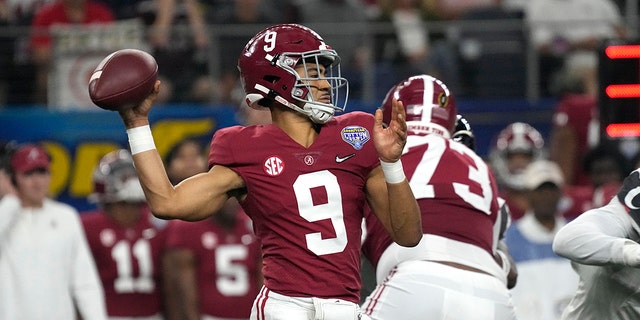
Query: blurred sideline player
(212,266)
(46,268)
(125,243)
(545,281)
(304,179)
(514,148)
(457,265)
(185,159)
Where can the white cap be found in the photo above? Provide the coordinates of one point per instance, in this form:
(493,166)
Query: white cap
(541,171)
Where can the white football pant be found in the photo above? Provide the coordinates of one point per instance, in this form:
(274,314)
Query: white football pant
(273,306)
(434,291)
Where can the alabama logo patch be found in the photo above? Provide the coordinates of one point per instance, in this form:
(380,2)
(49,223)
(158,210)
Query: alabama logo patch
(356,136)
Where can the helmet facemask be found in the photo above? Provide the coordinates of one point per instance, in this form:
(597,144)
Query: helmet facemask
(268,74)
(317,111)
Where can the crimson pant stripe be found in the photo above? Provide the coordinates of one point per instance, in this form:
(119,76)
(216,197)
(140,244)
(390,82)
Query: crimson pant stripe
(378,293)
(260,303)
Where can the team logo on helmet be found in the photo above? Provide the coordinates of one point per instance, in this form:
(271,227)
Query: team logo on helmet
(356,136)
(443,99)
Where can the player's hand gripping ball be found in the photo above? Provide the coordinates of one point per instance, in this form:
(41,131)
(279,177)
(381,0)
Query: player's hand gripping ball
(123,79)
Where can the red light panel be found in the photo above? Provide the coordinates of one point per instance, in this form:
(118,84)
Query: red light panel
(623,91)
(623,52)
(618,130)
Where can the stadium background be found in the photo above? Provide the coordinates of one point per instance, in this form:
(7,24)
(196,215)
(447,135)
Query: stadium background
(503,87)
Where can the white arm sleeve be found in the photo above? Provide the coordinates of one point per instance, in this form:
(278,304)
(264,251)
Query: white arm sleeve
(600,236)
(9,211)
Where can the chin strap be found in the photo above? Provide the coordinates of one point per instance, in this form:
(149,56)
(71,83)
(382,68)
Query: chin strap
(317,114)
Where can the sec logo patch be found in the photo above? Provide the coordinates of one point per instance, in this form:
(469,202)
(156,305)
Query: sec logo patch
(273,166)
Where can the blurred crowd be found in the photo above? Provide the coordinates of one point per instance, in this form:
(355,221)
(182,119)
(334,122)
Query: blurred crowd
(479,47)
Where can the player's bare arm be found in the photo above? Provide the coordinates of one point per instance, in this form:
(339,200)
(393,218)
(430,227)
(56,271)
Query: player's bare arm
(393,203)
(194,199)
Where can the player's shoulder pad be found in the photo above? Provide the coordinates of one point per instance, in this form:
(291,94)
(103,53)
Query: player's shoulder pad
(355,117)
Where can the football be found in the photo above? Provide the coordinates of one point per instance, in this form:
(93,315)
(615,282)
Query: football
(123,79)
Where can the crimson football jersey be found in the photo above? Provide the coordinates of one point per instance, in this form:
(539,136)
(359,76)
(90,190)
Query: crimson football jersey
(128,261)
(456,192)
(306,203)
(228,263)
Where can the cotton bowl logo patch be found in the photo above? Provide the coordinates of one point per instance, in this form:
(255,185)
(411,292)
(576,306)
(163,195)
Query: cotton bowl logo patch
(356,136)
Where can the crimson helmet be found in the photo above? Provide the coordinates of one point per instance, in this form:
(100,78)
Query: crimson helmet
(519,137)
(516,138)
(115,179)
(267,64)
(429,105)
(463,133)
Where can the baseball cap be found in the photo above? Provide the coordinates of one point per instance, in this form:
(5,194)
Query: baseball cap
(29,157)
(541,171)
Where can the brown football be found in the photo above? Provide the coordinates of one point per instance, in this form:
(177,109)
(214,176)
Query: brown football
(123,79)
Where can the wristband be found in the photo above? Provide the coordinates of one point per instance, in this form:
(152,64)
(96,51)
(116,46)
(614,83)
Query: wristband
(140,139)
(393,172)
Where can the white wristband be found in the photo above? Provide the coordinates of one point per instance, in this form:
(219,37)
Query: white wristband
(140,139)
(393,172)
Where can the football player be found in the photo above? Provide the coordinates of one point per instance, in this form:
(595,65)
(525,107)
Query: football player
(457,265)
(463,133)
(514,148)
(304,179)
(125,242)
(603,245)
(46,268)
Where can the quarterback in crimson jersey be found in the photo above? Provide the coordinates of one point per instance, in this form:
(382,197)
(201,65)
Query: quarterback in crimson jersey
(310,195)
(455,264)
(125,242)
(303,179)
(218,264)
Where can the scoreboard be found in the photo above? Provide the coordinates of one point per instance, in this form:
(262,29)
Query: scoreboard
(619,91)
